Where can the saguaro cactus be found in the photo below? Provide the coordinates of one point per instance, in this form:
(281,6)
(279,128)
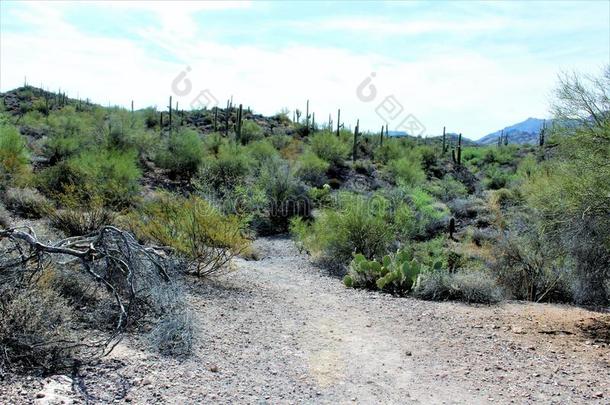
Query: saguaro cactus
(541,136)
(354,149)
(239,124)
(215,118)
(456,154)
(459,150)
(451,228)
(227,112)
(170,113)
(307,117)
(444,142)
(338,121)
(381,136)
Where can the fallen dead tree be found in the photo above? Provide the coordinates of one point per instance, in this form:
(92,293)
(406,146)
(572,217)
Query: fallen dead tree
(75,298)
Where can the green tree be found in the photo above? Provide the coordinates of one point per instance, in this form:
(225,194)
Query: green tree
(572,196)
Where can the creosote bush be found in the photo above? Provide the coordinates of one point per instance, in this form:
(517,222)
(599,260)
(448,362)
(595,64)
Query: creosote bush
(312,169)
(192,228)
(14,157)
(110,176)
(329,147)
(407,170)
(355,225)
(183,154)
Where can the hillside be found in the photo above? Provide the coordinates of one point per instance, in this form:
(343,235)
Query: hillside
(525,132)
(158,256)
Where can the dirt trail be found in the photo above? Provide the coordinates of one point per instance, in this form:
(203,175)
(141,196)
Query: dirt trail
(278,330)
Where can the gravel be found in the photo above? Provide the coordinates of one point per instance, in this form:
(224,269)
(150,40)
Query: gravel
(279,330)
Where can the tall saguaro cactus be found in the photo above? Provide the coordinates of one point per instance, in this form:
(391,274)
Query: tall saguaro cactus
(239,124)
(381,136)
(215,118)
(170,114)
(227,112)
(338,121)
(356,133)
(456,154)
(459,149)
(444,142)
(542,133)
(307,117)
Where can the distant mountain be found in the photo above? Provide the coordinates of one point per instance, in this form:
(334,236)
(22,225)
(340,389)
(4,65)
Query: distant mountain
(521,133)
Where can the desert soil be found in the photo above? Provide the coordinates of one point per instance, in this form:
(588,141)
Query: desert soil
(279,330)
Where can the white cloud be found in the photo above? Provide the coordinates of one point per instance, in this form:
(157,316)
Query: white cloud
(466,90)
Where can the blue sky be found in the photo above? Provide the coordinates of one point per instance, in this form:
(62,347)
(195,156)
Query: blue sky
(474,67)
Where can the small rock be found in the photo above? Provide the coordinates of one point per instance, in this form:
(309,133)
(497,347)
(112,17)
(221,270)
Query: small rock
(146,381)
(214,368)
(598,394)
(408,353)
(40,395)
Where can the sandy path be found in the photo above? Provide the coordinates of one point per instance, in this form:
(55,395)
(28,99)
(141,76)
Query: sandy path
(278,330)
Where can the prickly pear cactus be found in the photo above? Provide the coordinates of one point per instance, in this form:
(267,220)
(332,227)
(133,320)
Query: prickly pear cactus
(396,273)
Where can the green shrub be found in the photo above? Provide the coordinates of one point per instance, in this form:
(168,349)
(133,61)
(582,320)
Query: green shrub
(183,154)
(396,273)
(430,216)
(497,178)
(472,287)
(212,143)
(27,202)
(390,150)
(447,189)
(250,131)
(329,147)
(70,134)
(286,196)
(279,142)
(193,228)
(110,176)
(261,151)
(354,226)
(223,173)
(14,156)
(320,197)
(529,266)
(151,117)
(312,169)
(407,170)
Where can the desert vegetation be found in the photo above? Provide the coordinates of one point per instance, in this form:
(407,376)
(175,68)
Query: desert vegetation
(139,202)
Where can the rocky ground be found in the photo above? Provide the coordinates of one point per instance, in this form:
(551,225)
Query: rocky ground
(278,330)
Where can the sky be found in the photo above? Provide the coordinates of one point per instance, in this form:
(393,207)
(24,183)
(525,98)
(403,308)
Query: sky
(474,67)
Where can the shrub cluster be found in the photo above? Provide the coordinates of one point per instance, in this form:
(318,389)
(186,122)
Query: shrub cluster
(192,228)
